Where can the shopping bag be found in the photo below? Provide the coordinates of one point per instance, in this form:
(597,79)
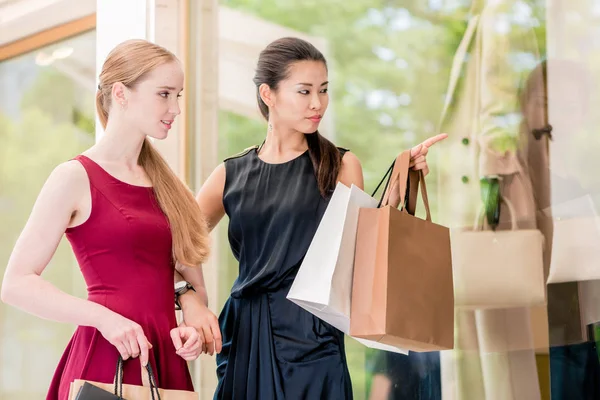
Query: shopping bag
(323,284)
(575,241)
(498,269)
(89,390)
(402,293)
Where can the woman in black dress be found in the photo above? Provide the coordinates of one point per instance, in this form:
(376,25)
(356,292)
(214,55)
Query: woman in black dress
(275,195)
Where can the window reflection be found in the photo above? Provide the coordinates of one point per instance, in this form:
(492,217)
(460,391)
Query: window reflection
(399,72)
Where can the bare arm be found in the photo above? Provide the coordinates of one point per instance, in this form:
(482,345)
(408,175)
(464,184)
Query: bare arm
(351,172)
(210,197)
(195,277)
(210,200)
(195,304)
(57,206)
(23,286)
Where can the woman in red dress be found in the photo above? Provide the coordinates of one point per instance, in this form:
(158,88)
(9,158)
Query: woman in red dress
(130,221)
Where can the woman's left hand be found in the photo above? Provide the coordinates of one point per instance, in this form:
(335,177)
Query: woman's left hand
(418,154)
(187,342)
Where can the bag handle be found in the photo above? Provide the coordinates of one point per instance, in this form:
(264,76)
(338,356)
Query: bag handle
(387,176)
(147,380)
(408,185)
(400,175)
(408,179)
(393,169)
(417,178)
(480,220)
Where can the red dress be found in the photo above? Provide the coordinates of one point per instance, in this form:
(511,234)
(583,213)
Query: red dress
(124,251)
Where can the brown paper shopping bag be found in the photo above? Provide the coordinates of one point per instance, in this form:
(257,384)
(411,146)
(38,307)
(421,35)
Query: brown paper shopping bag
(88,390)
(402,292)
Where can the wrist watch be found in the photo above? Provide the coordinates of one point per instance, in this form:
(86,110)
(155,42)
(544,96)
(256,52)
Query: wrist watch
(181,287)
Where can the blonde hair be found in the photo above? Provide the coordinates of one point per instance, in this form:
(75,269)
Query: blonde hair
(129,63)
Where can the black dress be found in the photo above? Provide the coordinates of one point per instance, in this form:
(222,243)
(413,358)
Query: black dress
(273,349)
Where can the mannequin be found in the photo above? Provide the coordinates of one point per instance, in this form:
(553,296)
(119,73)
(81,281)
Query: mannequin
(494,355)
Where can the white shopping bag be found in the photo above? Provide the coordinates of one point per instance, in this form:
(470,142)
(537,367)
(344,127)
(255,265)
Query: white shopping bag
(323,285)
(575,241)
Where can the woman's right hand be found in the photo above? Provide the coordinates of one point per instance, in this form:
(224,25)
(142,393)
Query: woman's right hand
(127,336)
(199,316)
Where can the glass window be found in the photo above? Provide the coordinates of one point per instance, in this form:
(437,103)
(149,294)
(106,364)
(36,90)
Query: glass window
(502,78)
(47,108)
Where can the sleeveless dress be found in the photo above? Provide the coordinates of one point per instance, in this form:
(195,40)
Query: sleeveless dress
(273,349)
(124,251)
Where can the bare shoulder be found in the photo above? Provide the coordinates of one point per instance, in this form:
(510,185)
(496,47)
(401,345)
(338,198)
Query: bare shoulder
(216,180)
(65,192)
(351,171)
(350,160)
(67,183)
(70,174)
(219,170)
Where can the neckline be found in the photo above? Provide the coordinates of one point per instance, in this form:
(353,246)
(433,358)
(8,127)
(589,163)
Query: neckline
(112,177)
(281,163)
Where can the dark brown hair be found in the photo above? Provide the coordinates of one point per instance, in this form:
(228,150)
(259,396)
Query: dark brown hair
(273,66)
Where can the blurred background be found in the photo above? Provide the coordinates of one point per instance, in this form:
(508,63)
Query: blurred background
(400,71)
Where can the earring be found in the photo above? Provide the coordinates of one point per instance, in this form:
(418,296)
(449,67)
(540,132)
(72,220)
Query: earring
(122,105)
(270,127)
